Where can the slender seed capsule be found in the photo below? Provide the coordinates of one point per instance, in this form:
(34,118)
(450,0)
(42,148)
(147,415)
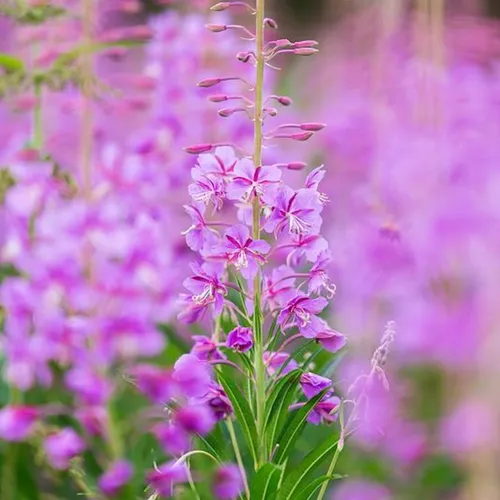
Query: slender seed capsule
(197,149)
(312,127)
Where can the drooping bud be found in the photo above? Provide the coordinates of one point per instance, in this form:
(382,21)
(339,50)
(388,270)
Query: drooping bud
(226,112)
(197,149)
(216,28)
(284,100)
(302,136)
(296,165)
(305,44)
(218,98)
(271,111)
(312,127)
(209,82)
(305,51)
(270,23)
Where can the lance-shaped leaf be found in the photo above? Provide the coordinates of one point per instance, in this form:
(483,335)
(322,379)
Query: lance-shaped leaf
(265,483)
(242,411)
(10,63)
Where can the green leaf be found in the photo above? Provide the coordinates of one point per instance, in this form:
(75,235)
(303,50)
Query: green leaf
(308,491)
(299,477)
(242,410)
(294,428)
(11,63)
(280,398)
(266,482)
(215,443)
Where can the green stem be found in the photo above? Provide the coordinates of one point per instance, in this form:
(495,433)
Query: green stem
(38,119)
(260,376)
(234,441)
(329,473)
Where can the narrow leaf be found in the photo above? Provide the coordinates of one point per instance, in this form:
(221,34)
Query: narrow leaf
(299,477)
(308,491)
(280,398)
(243,412)
(215,443)
(265,483)
(294,428)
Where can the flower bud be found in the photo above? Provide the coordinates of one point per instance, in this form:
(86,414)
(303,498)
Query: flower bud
(270,23)
(198,149)
(216,28)
(296,165)
(219,7)
(312,127)
(284,100)
(209,82)
(305,44)
(240,339)
(282,42)
(305,51)
(302,136)
(218,98)
(243,56)
(226,112)
(271,111)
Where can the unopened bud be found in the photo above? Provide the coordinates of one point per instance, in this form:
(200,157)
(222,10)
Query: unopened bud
(270,23)
(243,56)
(271,111)
(218,98)
(219,7)
(296,165)
(198,149)
(226,112)
(209,82)
(302,136)
(282,42)
(284,100)
(312,127)
(305,44)
(216,28)
(305,51)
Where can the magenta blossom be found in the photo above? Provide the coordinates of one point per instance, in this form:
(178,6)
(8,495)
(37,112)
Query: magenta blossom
(318,277)
(173,439)
(17,422)
(62,446)
(199,235)
(228,483)
(300,310)
(117,476)
(306,246)
(240,250)
(313,384)
(206,288)
(249,182)
(206,189)
(240,339)
(154,382)
(216,399)
(164,478)
(325,411)
(298,211)
(195,419)
(192,375)
(330,339)
(275,360)
(220,164)
(206,349)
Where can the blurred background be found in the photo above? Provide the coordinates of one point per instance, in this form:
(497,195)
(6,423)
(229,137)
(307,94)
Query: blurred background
(410,91)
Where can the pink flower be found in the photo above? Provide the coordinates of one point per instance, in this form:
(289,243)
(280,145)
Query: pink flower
(240,339)
(17,422)
(117,475)
(228,483)
(62,446)
(249,182)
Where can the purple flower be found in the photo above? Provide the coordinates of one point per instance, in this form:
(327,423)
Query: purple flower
(280,286)
(17,422)
(164,478)
(240,250)
(92,419)
(173,439)
(199,235)
(318,277)
(240,339)
(249,181)
(195,419)
(218,401)
(118,474)
(313,180)
(154,382)
(313,384)
(228,483)
(324,411)
(308,246)
(300,311)
(221,164)
(330,339)
(275,360)
(206,288)
(192,375)
(298,211)
(207,189)
(206,349)
(62,446)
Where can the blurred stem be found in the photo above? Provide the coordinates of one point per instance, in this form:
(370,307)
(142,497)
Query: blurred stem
(257,158)
(234,441)
(37,118)
(329,473)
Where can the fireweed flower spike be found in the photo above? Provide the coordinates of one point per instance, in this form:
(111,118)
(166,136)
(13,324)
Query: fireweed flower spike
(261,275)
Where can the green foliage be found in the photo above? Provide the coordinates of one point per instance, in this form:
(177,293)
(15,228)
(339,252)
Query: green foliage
(265,483)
